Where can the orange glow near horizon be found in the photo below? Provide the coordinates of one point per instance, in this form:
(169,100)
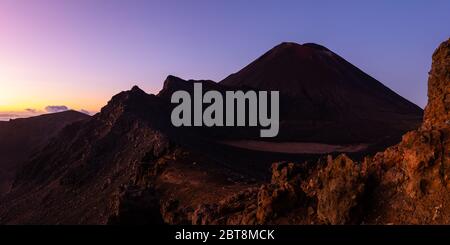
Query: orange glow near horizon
(19,93)
(49,58)
(35,85)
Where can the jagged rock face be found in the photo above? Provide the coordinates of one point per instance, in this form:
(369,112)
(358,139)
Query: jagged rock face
(422,155)
(412,180)
(258,205)
(407,183)
(413,176)
(338,187)
(437,112)
(330,193)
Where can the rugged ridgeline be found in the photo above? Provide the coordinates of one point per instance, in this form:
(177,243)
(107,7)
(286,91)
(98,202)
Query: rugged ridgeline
(19,138)
(118,167)
(127,164)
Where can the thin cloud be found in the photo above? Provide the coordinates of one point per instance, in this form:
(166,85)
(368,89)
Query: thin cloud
(85,112)
(31,110)
(56,108)
(8,115)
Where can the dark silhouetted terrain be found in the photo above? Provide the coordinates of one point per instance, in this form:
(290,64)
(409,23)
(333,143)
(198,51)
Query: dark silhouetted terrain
(127,164)
(19,138)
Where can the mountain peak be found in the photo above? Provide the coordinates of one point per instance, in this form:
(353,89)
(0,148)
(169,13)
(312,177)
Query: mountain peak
(288,44)
(172,77)
(317,85)
(172,80)
(135,88)
(174,83)
(171,84)
(293,47)
(316,46)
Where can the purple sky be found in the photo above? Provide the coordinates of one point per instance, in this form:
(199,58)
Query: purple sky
(80,53)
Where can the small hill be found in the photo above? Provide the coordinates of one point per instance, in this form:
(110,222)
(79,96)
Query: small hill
(19,138)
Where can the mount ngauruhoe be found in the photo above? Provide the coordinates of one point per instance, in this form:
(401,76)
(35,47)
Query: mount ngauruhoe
(324,98)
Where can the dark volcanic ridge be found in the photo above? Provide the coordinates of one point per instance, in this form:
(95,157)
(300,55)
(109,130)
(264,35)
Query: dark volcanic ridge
(128,164)
(20,138)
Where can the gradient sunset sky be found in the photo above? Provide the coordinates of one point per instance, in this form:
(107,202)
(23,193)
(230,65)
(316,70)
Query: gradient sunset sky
(79,53)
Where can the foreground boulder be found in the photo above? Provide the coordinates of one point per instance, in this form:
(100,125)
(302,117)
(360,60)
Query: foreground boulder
(338,187)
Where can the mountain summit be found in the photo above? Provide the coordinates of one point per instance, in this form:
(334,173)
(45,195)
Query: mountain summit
(322,92)
(314,74)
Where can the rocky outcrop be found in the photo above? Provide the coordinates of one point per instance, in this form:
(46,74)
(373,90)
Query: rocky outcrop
(437,112)
(413,176)
(258,205)
(338,187)
(330,193)
(282,194)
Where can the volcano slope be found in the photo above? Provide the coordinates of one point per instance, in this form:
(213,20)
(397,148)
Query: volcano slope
(127,164)
(20,138)
(326,99)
